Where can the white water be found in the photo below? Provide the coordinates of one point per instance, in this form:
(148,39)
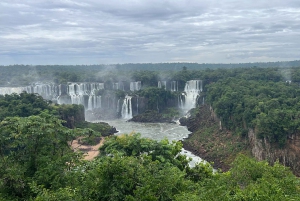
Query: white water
(174,86)
(127,108)
(135,86)
(77,93)
(192,90)
(155,131)
(162,84)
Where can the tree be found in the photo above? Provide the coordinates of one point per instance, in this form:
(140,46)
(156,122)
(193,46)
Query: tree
(35,149)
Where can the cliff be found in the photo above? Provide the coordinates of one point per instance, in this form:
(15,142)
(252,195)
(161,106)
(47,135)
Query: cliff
(262,149)
(216,144)
(210,141)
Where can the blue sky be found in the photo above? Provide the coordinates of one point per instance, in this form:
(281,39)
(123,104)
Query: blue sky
(144,31)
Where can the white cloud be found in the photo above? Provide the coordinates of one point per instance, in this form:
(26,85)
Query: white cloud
(148,31)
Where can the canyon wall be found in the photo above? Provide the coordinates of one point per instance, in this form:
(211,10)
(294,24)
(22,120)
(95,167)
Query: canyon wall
(262,149)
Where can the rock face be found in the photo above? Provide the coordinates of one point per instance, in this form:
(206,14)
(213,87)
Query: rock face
(210,142)
(213,143)
(262,149)
(204,117)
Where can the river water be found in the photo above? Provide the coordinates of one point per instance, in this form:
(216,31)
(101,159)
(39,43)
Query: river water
(155,131)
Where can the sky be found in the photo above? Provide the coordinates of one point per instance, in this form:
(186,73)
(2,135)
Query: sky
(75,32)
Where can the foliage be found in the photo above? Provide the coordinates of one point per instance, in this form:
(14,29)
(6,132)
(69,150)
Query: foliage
(270,107)
(157,98)
(134,145)
(171,113)
(100,128)
(36,162)
(129,168)
(148,78)
(22,105)
(35,149)
(129,177)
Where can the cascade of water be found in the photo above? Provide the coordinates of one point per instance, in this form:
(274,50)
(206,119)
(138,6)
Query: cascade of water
(127,108)
(47,91)
(118,106)
(11,90)
(174,86)
(135,86)
(98,102)
(72,93)
(191,93)
(72,89)
(162,84)
(116,86)
(90,103)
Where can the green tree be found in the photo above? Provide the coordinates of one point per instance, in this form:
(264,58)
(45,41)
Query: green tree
(35,149)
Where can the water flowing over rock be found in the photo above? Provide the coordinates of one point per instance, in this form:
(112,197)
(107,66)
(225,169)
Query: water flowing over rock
(192,90)
(174,86)
(47,91)
(162,84)
(72,93)
(100,100)
(135,86)
(127,108)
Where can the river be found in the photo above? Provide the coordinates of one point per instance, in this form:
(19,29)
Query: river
(155,131)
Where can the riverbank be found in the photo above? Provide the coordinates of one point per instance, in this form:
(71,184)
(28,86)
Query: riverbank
(210,141)
(90,151)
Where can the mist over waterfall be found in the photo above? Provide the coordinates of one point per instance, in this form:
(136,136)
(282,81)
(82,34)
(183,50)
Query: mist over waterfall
(174,86)
(72,93)
(135,86)
(102,101)
(94,102)
(191,93)
(162,84)
(127,108)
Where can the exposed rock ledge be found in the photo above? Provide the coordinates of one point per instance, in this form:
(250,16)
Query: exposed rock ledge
(262,149)
(213,143)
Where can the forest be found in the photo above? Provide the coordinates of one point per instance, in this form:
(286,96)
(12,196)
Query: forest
(37,162)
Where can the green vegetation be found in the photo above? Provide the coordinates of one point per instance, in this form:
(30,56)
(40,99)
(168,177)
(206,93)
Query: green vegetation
(37,163)
(272,108)
(21,105)
(33,150)
(102,128)
(210,142)
(129,168)
(157,98)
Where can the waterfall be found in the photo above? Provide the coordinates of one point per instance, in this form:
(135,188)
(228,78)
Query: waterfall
(11,90)
(174,86)
(191,93)
(116,86)
(135,86)
(47,91)
(127,108)
(98,102)
(85,93)
(162,84)
(90,103)
(118,106)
